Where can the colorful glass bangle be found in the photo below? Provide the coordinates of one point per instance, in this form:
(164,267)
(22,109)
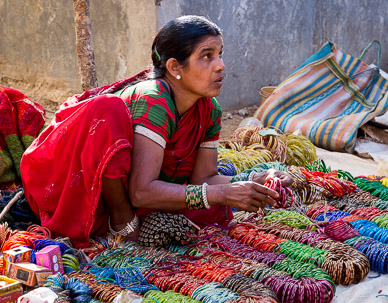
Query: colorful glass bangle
(194,197)
(239,177)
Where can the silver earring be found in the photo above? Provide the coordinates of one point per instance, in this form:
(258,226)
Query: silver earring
(178,77)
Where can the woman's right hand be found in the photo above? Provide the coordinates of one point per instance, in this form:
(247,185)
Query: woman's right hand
(248,195)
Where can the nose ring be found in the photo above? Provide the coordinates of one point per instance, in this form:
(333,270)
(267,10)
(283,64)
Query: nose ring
(218,69)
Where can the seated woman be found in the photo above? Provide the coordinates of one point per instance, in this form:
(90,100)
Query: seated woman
(151,145)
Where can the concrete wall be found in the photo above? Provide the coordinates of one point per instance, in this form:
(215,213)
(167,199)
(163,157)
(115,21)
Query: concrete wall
(265,40)
(37,44)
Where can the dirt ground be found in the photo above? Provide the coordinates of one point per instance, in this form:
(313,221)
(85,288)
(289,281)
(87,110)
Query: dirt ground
(232,119)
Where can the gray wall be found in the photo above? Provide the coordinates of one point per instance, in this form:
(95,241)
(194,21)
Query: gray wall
(37,44)
(265,40)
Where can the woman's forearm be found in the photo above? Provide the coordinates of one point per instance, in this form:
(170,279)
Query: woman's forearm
(162,195)
(217,179)
(147,191)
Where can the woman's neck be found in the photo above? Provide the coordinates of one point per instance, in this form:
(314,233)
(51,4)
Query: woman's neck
(183,99)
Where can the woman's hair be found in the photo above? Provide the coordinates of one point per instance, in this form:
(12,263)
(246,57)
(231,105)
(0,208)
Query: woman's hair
(178,39)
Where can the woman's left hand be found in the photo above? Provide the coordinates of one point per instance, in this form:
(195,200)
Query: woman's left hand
(285,179)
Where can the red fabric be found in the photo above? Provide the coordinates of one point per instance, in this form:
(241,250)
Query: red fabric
(180,156)
(106,89)
(18,114)
(62,169)
(115,168)
(20,122)
(182,148)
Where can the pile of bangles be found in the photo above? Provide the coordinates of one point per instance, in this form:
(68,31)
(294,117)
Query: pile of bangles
(253,145)
(328,229)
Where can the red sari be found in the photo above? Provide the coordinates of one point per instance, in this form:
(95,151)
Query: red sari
(92,137)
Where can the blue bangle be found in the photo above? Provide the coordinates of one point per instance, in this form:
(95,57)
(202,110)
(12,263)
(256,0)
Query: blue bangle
(227,167)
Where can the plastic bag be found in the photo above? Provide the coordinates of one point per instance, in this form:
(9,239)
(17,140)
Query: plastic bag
(39,295)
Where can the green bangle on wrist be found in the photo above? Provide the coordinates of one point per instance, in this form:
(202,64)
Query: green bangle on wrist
(196,197)
(239,177)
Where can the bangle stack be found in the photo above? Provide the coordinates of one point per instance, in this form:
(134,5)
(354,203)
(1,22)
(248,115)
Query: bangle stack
(196,197)
(243,177)
(239,177)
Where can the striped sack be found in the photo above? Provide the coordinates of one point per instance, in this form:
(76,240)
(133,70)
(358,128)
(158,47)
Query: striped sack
(328,98)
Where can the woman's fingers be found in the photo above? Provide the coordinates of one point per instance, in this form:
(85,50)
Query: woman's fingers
(284,177)
(287,181)
(251,204)
(266,200)
(261,177)
(251,196)
(265,190)
(264,176)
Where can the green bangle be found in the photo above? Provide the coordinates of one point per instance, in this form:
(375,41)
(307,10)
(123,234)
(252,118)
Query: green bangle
(239,177)
(195,197)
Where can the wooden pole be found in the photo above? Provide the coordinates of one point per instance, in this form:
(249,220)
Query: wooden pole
(10,204)
(84,46)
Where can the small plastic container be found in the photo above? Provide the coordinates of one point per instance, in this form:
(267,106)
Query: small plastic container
(250,121)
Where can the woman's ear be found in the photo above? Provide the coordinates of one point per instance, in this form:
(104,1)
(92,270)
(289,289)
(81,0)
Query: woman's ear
(173,67)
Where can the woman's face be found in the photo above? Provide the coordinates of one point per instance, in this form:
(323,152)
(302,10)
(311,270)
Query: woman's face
(204,72)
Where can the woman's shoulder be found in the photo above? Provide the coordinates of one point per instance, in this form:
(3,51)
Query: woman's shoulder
(152,88)
(155,92)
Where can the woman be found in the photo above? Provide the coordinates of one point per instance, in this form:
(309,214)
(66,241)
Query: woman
(157,150)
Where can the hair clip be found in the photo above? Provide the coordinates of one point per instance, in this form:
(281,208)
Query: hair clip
(157,54)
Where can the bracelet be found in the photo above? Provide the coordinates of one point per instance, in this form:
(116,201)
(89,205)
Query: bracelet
(251,175)
(130,228)
(204,196)
(239,177)
(194,198)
